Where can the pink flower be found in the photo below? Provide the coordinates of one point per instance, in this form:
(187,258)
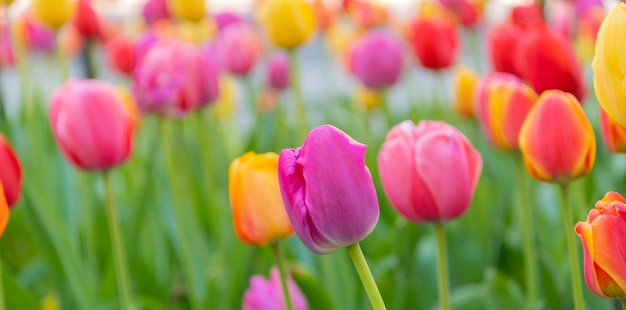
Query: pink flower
(238,48)
(376,60)
(278,71)
(267,294)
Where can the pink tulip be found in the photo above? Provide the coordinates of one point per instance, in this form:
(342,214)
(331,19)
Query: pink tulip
(154,10)
(328,191)
(376,60)
(225,19)
(429,171)
(238,48)
(266,294)
(91,124)
(278,71)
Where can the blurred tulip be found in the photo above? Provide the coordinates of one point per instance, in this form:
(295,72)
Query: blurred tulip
(557,140)
(91,125)
(603,235)
(259,215)
(86,20)
(154,10)
(613,134)
(158,31)
(561,16)
(189,10)
(368,98)
(226,19)
(467,12)
(588,27)
(429,171)
(37,37)
(5,213)
(267,100)
(120,53)
(323,15)
(435,41)
(502,42)
(278,71)
(584,6)
(10,173)
(238,48)
(266,294)
(71,42)
(368,14)
(224,106)
(7,59)
(608,64)
(195,32)
(341,206)
(289,23)
(546,60)
(53,13)
(503,103)
(376,60)
(528,14)
(465,82)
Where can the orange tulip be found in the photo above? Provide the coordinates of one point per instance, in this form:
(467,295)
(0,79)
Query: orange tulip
(4,211)
(259,214)
(613,134)
(557,139)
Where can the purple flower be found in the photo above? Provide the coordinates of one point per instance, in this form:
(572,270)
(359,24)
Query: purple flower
(278,71)
(376,60)
(267,294)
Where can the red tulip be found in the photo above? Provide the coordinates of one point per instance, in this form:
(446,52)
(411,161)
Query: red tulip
(435,41)
(10,173)
(120,53)
(502,41)
(527,14)
(86,20)
(613,134)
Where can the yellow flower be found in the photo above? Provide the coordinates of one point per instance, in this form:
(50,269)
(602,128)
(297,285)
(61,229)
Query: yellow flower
(368,98)
(225,105)
(289,23)
(53,13)
(190,10)
(465,81)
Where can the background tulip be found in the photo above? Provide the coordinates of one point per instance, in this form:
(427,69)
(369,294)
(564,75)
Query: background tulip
(603,235)
(92,127)
(87,21)
(613,134)
(238,48)
(120,53)
(376,60)
(528,14)
(434,40)
(278,76)
(503,39)
(154,10)
(189,10)
(267,293)
(289,23)
(429,172)
(465,82)
(10,173)
(4,211)
(53,13)
(328,191)
(557,140)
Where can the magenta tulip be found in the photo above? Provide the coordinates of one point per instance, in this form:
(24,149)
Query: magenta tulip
(376,60)
(278,71)
(238,48)
(328,191)
(265,294)
(429,171)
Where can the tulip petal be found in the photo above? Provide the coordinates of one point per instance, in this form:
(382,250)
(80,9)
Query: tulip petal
(609,240)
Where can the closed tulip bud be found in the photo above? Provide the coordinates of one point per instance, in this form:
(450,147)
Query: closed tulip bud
(238,48)
(53,13)
(435,41)
(546,60)
(10,173)
(91,125)
(376,60)
(154,10)
(603,236)
(504,101)
(189,10)
(613,134)
(527,14)
(37,36)
(502,40)
(557,140)
(259,215)
(328,191)
(608,64)
(465,82)
(87,21)
(278,72)
(264,294)
(120,53)
(4,211)
(289,23)
(429,171)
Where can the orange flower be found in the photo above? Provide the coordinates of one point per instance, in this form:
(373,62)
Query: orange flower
(4,211)
(613,134)
(465,80)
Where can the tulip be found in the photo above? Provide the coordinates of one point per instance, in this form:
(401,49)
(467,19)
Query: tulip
(527,14)
(328,191)
(613,134)
(557,139)
(608,64)
(4,211)
(502,40)
(7,59)
(259,215)
(154,10)
(91,125)
(367,98)
(376,60)
(467,12)
(504,101)
(37,36)
(238,48)
(435,41)
(289,23)
(588,27)
(120,53)
(465,82)
(53,13)
(603,236)
(226,19)
(429,171)
(368,14)
(546,59)
(189,10)
(87,21)
(267,293)
(278,72)
(10,173)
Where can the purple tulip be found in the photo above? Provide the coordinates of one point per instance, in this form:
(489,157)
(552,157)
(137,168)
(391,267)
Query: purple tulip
(238,47)
(278,71)
(266,294)
(40,37)
(328,191)
(376,60)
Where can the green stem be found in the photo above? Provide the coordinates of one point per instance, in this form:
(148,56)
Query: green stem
(525,210)
(568,223)
(442,266)
(301,107)
(366,276)
(91,71)
(623,302)
(385,108)
(438,111)
(3,304)
(119,257)
(283,274)
(61,59)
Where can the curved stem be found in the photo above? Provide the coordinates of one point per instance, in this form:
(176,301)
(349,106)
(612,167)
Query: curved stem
(119,258)
(442,266)
(283,275)
(568,223)
(301,107)
(366,276)
(530,264)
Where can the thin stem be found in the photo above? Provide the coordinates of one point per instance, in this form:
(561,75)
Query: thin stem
(437,108)
(366,276)
(385,108)
(623,302)
(301,107)
(91,71)
(568,223)
(442,266)
(119,257)
(530,264)
(283,274)
(3,304)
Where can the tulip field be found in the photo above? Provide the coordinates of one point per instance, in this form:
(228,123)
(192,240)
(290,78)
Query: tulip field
(319,155)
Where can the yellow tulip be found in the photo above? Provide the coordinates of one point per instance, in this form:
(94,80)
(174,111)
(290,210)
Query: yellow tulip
(190,10)
(289,23)
(224,107)
(53,13)
(259,215)
(465,81)
(368,98)
(609,64)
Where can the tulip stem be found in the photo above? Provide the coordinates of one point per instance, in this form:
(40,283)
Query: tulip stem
(283,274)
(385,108)
(207,165)
(3,304)
(119,257)
(442,266)
(623,302)
(295,85)
(568,222)
(366,276)
(525,210)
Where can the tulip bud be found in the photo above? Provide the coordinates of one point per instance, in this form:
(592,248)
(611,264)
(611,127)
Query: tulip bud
(154,10)
(504,101)
(289,23)
(376,60)
(502,40)
(278,72)
(603,236)
(435,41)
(120,53)
(613,134)
(86,20)
(528,14)
(189,10)
(91,125)
(328,191)
(225,19)
(429,171)
(268,294)
(238,48)
(53,13)
(10,173)
(556,139)
(4,211)
(465,82)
